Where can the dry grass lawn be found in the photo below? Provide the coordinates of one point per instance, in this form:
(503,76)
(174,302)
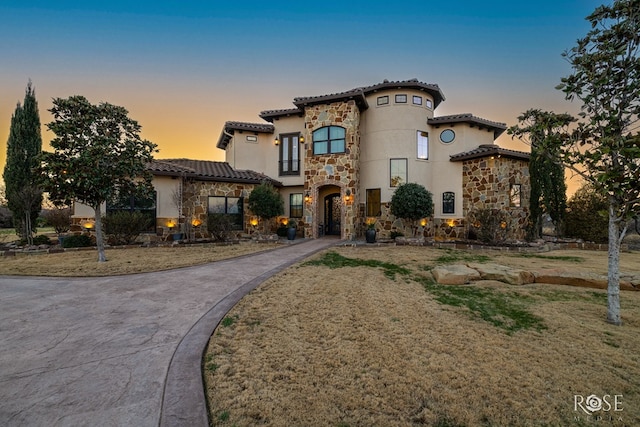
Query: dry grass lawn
(123,261)
(353,346)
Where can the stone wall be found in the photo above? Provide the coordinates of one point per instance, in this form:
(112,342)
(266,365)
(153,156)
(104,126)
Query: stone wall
(486,184)
(195,203)
(340,170)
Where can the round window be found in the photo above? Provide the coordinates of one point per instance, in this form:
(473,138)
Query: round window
(447,136)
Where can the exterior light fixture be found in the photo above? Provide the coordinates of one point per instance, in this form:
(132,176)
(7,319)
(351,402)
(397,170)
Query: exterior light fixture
(88,226)
(301,139)
(347,196)
(196,222)
(276,141)
(423,222)
(171,224)
(307,197)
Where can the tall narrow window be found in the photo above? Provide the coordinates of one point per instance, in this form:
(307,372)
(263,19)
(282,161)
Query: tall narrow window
(373,202)
(448,202)
(295,205)
(423,145)
(329,139)
(289,154)
(515,195)
(398,168)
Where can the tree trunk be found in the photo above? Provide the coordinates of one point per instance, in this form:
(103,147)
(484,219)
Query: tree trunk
(613,277)
(99,237)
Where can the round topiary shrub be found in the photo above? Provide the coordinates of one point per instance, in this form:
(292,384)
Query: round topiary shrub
(76,241)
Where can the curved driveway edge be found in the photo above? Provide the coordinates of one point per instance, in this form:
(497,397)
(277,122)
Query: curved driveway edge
(120,350)
(184,401)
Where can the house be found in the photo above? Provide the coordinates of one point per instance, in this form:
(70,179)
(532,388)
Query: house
(341,156)
(338,158)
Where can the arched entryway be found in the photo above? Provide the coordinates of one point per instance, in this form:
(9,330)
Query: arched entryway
(332,215)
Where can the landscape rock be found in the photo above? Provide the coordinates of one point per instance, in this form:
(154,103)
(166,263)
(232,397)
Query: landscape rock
(577,278)
(454,274)
(503,274)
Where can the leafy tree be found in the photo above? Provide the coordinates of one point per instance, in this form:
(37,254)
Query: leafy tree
(412,202)
(545,131)
(266,202)
(586,216)
(24,196)
(98,153)
(606,79)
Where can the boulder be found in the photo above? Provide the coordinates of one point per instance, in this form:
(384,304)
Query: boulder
(454,274)
(582,279)
(501,273)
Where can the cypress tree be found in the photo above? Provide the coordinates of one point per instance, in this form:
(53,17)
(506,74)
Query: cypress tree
(23,194)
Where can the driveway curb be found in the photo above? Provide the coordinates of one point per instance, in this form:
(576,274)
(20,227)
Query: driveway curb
(184,401)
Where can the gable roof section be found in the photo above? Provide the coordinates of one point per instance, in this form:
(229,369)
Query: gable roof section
(470,119)
(230,128)
(205,170)
(489,150)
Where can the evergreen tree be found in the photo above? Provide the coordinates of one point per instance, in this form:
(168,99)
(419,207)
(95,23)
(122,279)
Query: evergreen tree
(23,194)
(545,131)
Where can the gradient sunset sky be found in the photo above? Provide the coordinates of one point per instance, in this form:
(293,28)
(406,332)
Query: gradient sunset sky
(183,68)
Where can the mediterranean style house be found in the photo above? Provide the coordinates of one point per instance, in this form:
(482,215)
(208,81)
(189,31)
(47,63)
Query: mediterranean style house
(337,160)
(341,156)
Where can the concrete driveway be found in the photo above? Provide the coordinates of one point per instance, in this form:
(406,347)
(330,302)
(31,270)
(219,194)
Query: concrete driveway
(122,350)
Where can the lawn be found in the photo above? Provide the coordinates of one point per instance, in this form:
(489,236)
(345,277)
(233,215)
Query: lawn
(363,337)
(123,261)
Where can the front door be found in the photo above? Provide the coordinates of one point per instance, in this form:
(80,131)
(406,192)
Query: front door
(332,214)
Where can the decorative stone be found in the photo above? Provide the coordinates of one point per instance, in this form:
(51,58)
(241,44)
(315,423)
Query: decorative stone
(454,274)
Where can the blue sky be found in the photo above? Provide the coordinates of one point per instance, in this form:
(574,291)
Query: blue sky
(183,68)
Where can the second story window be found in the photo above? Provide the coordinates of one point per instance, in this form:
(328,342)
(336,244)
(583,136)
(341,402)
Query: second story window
(329,139)
(289,154)
(423,145)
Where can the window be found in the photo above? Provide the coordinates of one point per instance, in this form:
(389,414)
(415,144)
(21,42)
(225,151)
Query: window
(383,100)
(401,99)
(229,206)
(373,202)
(448,202)
(398,172)
(132,202)
(515,196)
(289,154)
(295,205)
(329,139)
(423,145)
(447,136)
(417,100)
(429,103)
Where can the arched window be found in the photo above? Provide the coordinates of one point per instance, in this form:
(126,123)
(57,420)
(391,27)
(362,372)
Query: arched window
(329,139)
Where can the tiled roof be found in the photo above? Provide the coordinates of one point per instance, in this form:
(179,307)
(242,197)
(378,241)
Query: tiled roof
(206,170)
(488,150)
(359,94)
(432,89)
(251,127)
(231,127)
(270,115)
(496,127)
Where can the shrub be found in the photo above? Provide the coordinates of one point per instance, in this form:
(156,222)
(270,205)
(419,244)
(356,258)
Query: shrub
(123,227)
(219,226)
(587,216)
(76,241)
(282,231)
(59,219)
(411,202)
(41,239)
(266,202)
(490,226)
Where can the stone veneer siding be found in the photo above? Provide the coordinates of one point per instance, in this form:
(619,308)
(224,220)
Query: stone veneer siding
(340,169)
(195,201)
(486,184)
